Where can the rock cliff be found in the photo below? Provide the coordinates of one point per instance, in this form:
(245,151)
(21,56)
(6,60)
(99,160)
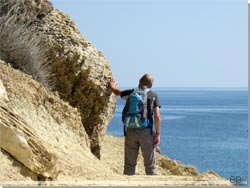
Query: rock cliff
(55,106)
(45,43)
(41,133)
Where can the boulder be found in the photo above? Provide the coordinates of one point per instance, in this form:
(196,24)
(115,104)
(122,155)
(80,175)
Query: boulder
(45,43)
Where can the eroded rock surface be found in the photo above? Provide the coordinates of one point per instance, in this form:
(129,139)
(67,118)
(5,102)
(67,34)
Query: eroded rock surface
(21,141)
(39,117)
(45,43)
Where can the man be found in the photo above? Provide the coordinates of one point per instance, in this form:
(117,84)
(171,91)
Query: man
(142,137)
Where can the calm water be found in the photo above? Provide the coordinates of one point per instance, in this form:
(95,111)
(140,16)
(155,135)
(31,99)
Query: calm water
(207,129)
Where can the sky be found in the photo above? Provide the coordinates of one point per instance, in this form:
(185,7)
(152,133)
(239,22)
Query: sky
(182,43)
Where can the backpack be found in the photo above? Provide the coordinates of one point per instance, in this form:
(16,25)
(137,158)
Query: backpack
(135,111)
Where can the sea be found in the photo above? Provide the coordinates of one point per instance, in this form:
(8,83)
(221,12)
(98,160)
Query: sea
(203,127)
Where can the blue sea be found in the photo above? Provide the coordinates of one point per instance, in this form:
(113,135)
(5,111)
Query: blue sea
(205,127)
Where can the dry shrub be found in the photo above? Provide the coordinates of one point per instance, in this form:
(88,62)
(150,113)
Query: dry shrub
(19,46)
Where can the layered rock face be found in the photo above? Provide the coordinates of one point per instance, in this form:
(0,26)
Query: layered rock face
(40,135)
(22,141)
(45,43)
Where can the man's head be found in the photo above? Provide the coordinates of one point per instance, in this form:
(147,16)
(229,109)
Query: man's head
(146,81)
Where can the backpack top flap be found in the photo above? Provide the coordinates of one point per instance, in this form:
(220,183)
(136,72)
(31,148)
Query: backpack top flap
(138,103)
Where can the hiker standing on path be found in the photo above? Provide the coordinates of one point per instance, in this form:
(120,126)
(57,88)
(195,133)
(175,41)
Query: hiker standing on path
(139,132)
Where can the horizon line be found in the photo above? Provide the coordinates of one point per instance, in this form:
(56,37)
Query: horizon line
(223,88)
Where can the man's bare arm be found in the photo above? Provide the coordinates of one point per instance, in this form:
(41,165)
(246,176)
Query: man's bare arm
(157,119)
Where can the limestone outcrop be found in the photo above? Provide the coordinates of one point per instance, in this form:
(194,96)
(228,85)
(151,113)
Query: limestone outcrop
(22,142)
(41,133)
(45,43)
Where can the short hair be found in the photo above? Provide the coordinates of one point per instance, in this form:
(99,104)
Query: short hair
(147,80)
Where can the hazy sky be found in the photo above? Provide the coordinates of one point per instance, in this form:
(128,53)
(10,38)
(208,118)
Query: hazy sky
(191,43)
